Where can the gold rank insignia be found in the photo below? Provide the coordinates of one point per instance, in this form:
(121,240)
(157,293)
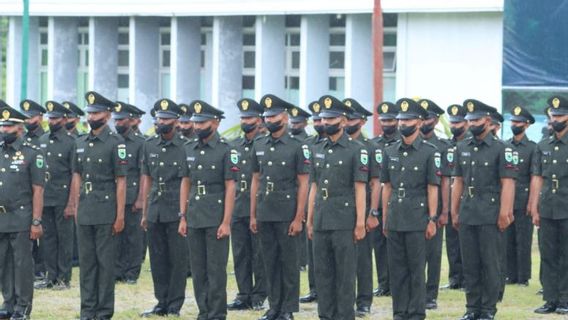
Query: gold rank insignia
(556,103)
(5,115)
(424,105)
(245,105)
(404,106)
(164,105)
(184,109)
(268,102)
(327,102)
(66,105)
(517,111)
(548,111)
(26,106)
(470,106)
(197,107)
(455,110)
(50,106)
(294,112)
(385,108)
(317,107)
(118,107)
(348,103)
(91,98)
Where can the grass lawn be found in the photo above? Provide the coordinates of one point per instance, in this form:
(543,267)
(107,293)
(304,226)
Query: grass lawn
(518,303)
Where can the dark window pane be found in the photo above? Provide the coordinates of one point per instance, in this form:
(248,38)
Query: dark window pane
(123,58)
(248,21)
(165,39)
(332,83)
(249,39)
(206,21)
(390,19)
(294,83)
(295,39)
(249,59)
(337,59)
(202,59)
(44,57)
(389,40)
(123,80)
(87,58)
(43,38)
(336,39)
(203,39)
(43,21)
(123,38)
(85,38)
(123,21)
(337,20)
(389,61)
(248,82)
(295,60)
(293,21)
(166,58)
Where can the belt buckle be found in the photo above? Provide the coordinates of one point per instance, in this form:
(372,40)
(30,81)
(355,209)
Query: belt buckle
(324,193)
(244,185)
(88,187)
(47,176)
(162,186)
(555,184)
(3,209)
(470,190)
(269,186)
(401,192)
(200,189)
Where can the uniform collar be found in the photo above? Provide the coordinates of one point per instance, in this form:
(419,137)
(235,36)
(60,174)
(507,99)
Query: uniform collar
(37,133)
(342,141)
(175,140)
(415,144)
(432,138)
(284,138)
(103,136)
(563,139)
(58,134)
(131,134)
(523,141)
(16,145)
(211,143)
(246,141)
(488,140)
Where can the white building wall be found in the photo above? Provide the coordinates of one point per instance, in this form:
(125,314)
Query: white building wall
(449,57)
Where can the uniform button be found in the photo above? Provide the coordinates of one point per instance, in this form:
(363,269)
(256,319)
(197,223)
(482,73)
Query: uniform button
(492,199)
(100,160)
(325,181)
(219,201)
(526,189)
(405,153)
(287,196)
(556,148)
(415,168)
(267,178)
(106,197)
(340,162)
(87,176)
(202,152)
(198,181)
(402,184)
(196,197)
(399,200)
(130,155)
(163,149)
(246,148)
(91,144)
(554,161)
(486,164)
(283,163)
(59,155)
(1,183)
(243,175)
(29,139)
(327,165)
(271,148)
(522,160)
(330,151)
(421,204)
(475,149)
(269,163)
(473,162)
(199,167)
(161,178)
(51,141)
(472,178)
(347,204)
(553,176)
(6,156)
(553,190)
(21,207)
(49,153)
(213,167)
(161,164)
(244,161)
(134,183)
(175,163)
(159,193)
(402,169)
(88,159)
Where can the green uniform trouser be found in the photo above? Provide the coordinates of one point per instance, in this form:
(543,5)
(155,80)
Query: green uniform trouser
(168,260)
(519,242)
(335,256)
(433,264)
(57,244)
(279,253)
(554,255)
(97,248)
(407,258)
(303,247)
(481,266)
(381,258)
(129,246)
(365,271)
(247,260)
(209,257)
(16,266)
(311,268)
(453,252)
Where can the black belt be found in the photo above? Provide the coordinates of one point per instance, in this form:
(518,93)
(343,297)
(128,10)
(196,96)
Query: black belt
(334,192)
(88,186)
(473,190)
(405,193)
(203,189)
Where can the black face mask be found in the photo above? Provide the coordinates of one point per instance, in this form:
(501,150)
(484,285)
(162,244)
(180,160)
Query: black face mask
(550,131)
(558,126)
(331,129)
(407,131)
(477,130)
(203,133)
(296,131)
(456,132)
(9,138)
(55,127)
(426,129)
(164,128)
(95,124)
(70,125)
(121,129)
(352,129)
(186,132)
(517,130)
(31,126)
(320,129)
(274,126)
(389,130)
(248,128)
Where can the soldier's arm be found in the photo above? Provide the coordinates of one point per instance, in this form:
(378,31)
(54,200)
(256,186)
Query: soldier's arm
(230,191)
(445,185)
(253,190)
(37,209)
(507,198)
(146,185)
(302,196)
(185,186)
(375,193)
(73,200)
(535,189)
(311,206)
(360,203)
(386,194)
(457,189)
(120,203)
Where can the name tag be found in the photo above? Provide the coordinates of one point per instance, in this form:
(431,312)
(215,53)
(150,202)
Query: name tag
(465,154)
(320,155)
(260,153)
(43,145)
(80,150)
(153,155)
(190,158)
(546,153)
(394,159)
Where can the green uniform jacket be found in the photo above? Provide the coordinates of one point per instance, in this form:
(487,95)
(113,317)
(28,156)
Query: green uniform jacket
(58,149)
(482,164)
(33,137)
(210,164)
(443,146)
(134,152)
(410,169)
(21,166)
(279,161)
(336,167)
(522,155)
(242,201)
(99,160)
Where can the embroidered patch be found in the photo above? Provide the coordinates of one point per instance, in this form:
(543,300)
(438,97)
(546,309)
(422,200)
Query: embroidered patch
(364,157)
(234,157)
(379,156)
(437,160)
(39,161)
(306,151)
(515,157)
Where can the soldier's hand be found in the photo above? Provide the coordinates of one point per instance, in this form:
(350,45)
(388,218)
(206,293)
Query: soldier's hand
(359,233)
(223,231)
(36,232)
(385,232)
(137,207)
(503,222)
(442,220)
(536,218)
(430,230)
(456,222)
(118,226)
(372,223)
(182,228)
(252,226)
(295,228)
(310,230)
(144,224)
(69,212)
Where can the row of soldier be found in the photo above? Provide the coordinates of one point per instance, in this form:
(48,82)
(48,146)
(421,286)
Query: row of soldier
(189,189)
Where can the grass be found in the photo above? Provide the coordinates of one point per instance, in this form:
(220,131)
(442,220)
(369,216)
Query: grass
(518,303)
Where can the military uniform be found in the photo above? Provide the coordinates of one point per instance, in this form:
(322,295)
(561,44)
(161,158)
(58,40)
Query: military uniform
(247,258)
(481,164)
(22,166)
(386,110)
(519,234)
(409,169)
(279,162)
(129,242)
(58,148)
(164,163)
(338,166)
(99,160)
(549,163)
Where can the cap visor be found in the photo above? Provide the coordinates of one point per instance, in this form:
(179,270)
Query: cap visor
(95,108)
(558,112)
(387,116)
(298,119)
(201,118)
(119,115)
(54,115)
(405,116)
(166,115)
(331,114)
(519,119)
(272,112)
(455,119)
(249,114)
(475,116)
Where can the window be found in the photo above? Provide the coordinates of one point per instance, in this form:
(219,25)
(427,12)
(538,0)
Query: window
(123,60)
(249,55)
(337,55)
(83,63)
(389,56)
(206,37)
(43,59)
(292,47)
(165,62)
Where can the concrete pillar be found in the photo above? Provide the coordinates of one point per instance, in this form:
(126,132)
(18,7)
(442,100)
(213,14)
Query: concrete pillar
(185,59)
(270,59)
(359,59)
(103,57)
(144,64)
(227,66)
(14,61)
(62,58)
(314,58)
